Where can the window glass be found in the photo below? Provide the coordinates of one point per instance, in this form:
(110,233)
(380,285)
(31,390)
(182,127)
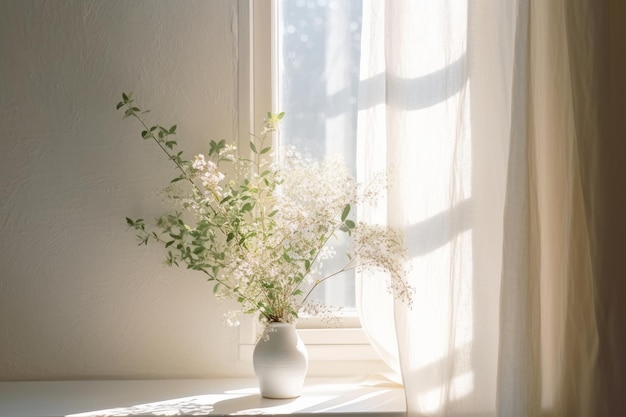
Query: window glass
(318,55)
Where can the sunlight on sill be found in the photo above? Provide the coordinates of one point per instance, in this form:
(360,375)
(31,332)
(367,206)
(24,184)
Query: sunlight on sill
(332,397)
(339,399)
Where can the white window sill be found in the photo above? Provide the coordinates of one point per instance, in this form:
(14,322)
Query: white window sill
(326,345)
(344,342)
(336,397)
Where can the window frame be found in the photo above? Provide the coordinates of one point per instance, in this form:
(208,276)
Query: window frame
(344,342)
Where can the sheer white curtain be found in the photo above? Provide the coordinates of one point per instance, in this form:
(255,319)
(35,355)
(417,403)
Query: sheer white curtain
(490,114)
(419,115)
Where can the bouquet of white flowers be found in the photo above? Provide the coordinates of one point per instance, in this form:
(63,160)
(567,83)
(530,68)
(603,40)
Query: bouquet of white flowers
(259,233)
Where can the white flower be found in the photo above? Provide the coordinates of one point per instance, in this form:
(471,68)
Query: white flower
(211,180)
(199,162)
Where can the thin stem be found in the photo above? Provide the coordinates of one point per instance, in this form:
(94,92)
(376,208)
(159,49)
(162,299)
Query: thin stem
(346,268)
(317,254)
(171,157)
(186,176)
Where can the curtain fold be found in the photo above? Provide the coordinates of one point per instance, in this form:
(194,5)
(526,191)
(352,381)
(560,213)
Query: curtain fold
(497,118)
(595,34)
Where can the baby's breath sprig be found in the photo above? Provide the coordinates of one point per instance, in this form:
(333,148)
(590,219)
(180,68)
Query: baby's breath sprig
(259,233)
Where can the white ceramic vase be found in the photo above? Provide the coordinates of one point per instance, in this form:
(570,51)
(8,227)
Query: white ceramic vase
(280,361)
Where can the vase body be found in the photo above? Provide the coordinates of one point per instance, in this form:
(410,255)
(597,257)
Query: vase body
(280,361)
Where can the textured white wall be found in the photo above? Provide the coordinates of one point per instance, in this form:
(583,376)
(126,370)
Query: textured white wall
(78,297)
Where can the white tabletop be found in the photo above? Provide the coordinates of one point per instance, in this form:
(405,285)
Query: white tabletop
(338,397)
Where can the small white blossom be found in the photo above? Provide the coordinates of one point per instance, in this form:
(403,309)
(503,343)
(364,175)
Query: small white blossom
(199,162)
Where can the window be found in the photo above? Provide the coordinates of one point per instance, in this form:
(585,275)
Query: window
(313,77)
(317,73)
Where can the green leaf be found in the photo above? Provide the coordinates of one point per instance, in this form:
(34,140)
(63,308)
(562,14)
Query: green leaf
(172,130)
(350,224)
(265,150)
(137,224)
(253,147)
(212,147)
(345,212)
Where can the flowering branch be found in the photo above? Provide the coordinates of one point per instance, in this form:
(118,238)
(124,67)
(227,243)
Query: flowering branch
(260,232)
